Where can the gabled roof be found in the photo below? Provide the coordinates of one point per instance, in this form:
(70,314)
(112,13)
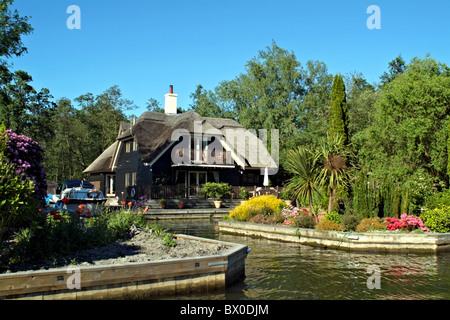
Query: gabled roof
(153,134)
(104,162)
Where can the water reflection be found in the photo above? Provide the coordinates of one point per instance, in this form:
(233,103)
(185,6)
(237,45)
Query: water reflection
(278,270)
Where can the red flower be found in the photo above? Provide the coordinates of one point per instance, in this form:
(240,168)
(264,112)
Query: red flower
(57,217)
(124,202)
(79,211)
(53,212)
(81,207)
(65,200)
(88,212)
(130,204)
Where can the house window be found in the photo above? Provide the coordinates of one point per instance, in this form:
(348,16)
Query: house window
(133,178)
(130,179)
(250,179)
(198,148)
(130,146)
(110,184)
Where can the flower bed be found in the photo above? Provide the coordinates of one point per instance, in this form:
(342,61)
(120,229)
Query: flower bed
(381,242)
(269,210)
(406,222)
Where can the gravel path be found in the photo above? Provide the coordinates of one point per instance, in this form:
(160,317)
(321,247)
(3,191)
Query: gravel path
(142,246)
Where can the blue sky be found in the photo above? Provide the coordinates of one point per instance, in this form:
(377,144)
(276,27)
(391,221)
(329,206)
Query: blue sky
(145,46)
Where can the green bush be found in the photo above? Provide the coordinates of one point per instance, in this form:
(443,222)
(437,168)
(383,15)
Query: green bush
(350,221)
(169,241)
(60,233)
(437,220)
(16,197)
(333,216)
(243,193)
(438,199)
(215,190)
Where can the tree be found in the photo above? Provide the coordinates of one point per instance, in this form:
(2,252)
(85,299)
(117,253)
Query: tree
(338,116)
(12,28)
(407,141)
(303,165)
(22,108)
(448,149)
(361,98)
(154,105)
(205,103)
(83,133)
(315,105)
(396,68)
(266,96)
(334,174)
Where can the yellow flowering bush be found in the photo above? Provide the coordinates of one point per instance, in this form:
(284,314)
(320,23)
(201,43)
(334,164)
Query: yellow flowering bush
(265,205)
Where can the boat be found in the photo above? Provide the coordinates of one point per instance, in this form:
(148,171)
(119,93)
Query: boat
(81,197)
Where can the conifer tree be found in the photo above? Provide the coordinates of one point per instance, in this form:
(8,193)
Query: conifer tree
(338,112)
(448,149)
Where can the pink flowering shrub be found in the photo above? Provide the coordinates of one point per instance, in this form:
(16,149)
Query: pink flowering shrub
(290,213)
(406,222)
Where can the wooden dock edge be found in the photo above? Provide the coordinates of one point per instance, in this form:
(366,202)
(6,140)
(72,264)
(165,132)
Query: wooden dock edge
(351,241)
(137,280)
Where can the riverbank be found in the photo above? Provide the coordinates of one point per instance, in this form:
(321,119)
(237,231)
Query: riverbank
(141,267)
(142,246)
(426,242)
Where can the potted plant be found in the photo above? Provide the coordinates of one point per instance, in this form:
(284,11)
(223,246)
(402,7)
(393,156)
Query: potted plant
(163,203)
(243,192)
(216,191)
(287,197)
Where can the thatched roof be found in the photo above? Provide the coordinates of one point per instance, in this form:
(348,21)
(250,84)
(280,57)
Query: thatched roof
(104,162)
(154,133)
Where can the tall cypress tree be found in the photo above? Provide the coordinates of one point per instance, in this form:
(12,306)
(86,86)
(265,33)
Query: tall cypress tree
(448,148)
(338,111)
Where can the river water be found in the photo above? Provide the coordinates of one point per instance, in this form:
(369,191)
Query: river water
(286,271)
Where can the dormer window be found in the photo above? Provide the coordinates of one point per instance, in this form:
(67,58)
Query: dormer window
(130,146)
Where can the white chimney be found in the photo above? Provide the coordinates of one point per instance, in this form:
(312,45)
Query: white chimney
(171,102)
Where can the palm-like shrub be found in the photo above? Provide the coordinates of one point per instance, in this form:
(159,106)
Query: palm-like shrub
(334,173)
(303,165)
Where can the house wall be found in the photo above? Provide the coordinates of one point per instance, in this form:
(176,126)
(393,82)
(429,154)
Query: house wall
(230,176)
(127,162)
(98,179)
(162,168)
